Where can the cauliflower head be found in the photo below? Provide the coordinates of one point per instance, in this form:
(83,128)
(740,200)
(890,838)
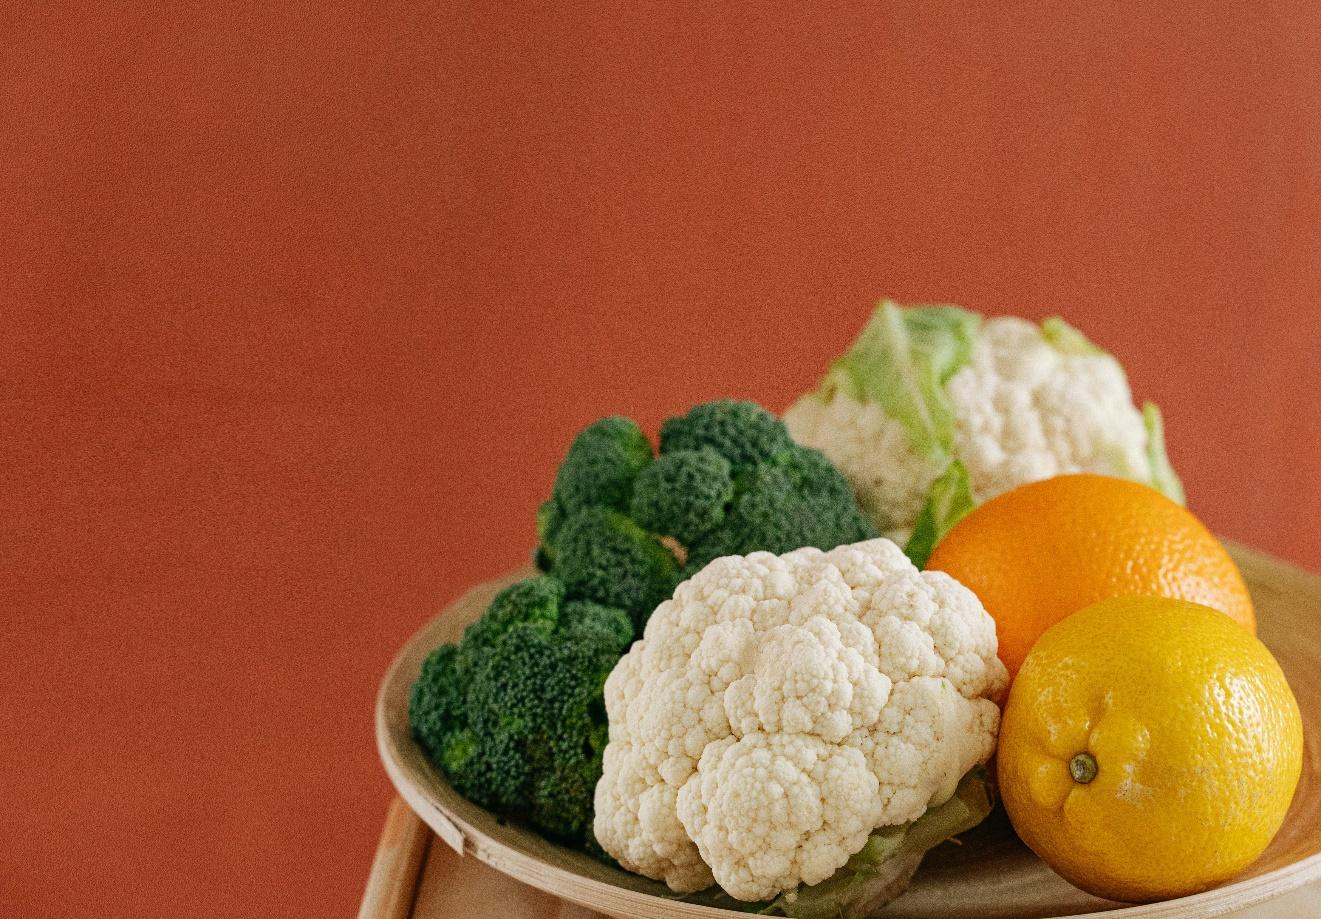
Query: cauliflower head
(934,411)
(779,709)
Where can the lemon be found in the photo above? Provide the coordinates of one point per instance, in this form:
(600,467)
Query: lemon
(1150,748)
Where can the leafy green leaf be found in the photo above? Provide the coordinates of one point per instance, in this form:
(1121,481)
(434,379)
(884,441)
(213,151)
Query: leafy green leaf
(1163,476)
(949,500)
(1066,339)
(902,360)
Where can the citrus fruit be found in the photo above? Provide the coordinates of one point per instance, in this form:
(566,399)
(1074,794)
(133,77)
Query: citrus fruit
(1149,748)
(1042,551)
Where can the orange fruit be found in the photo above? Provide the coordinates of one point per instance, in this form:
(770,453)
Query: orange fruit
(1149,748)
(1042,551)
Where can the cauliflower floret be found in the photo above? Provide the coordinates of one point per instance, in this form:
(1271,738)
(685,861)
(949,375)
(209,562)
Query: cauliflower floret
(638,812)
(807,680)
(927,738)
(1023,410)
(780,708)
(776,810)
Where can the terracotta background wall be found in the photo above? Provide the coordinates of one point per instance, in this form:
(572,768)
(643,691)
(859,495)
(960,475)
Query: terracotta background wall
(302,302)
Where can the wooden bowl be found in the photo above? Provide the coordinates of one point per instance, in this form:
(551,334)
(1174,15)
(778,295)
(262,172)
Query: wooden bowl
(990,875)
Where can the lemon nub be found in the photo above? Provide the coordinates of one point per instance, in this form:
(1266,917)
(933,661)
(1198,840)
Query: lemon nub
(1083,768)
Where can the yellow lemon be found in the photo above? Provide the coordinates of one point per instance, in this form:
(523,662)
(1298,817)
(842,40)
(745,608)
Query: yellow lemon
(1149,748)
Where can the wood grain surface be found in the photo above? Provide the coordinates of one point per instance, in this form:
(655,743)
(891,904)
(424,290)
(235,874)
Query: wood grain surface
(991,875)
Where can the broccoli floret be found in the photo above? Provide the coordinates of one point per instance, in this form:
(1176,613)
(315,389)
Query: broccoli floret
(603,555)
(795,499)
(728,481)
(533,602)
(601,464)
(684,494)
(440,704)
(598,471)
(513,714)
(599,624)
(741,432)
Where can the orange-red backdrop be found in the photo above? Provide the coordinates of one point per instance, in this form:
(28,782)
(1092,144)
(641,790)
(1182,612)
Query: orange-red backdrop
(303,301)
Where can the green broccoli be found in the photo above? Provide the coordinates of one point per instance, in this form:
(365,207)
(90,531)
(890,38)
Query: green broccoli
(598,471)
(728,480)
(513,714)
(603,555)
(685,493)
(742,432)
(796,498)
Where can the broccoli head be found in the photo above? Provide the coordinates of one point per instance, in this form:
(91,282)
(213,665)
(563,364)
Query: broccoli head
(603,555)
(728,480)
(513,714)
(794,499)
(684,494)
(598,471)
(742,432)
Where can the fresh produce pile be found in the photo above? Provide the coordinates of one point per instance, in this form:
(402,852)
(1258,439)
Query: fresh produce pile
(514,714)
(725,678)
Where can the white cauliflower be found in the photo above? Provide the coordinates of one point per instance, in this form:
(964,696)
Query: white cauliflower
(779,709)
(933,410)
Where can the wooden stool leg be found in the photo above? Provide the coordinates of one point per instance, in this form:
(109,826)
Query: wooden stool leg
(392,884)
